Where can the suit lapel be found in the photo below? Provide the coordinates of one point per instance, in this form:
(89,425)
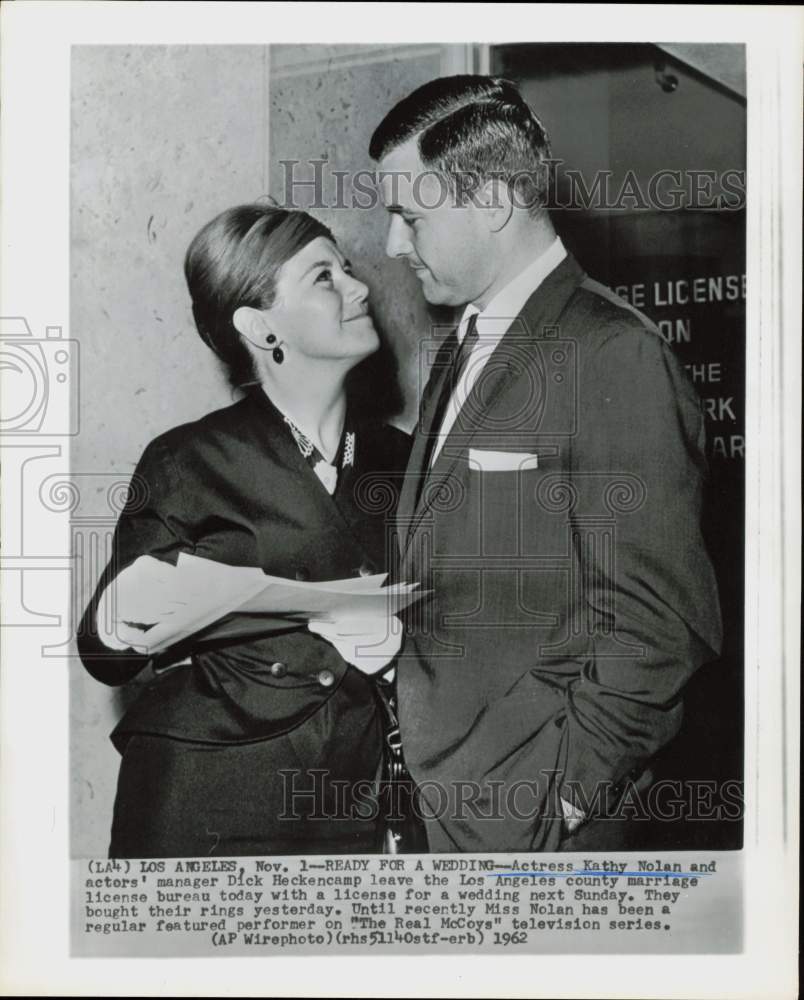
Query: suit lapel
(468,422)
(538,318)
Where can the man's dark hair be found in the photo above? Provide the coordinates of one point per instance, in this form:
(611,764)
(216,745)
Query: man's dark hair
(472,129)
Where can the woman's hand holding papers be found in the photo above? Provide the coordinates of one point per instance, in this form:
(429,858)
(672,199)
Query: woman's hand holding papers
(369,644)
(146,593)
(152,605)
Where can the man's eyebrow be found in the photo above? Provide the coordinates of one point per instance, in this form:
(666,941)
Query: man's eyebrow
(399,210)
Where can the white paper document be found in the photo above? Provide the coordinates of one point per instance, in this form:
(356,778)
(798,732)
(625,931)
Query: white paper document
(153,605)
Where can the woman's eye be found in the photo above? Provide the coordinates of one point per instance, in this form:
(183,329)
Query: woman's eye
(325,275)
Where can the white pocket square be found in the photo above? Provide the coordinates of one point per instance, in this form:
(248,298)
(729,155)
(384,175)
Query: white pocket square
(501,461)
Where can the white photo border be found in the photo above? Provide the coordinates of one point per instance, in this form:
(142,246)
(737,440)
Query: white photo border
(34,835)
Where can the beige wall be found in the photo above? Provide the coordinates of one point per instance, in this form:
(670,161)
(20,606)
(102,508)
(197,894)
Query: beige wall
(326,102)
(162,139)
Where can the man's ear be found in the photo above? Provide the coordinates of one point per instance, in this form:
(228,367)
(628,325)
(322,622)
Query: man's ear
(494,200)
(251,324)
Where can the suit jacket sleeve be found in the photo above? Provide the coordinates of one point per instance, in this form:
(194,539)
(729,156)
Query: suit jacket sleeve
(151,524)
(653,608)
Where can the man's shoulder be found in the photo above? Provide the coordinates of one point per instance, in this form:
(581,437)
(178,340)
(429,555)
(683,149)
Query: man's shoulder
(616,341)
(585,310)
(607,329)
(597,302)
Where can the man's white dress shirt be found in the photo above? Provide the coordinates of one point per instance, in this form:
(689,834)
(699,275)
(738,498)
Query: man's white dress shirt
(492,324)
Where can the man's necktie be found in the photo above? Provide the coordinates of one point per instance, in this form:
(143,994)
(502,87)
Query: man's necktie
(463,353)
(454,373)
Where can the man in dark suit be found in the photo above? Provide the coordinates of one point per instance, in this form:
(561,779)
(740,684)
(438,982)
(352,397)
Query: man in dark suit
(551,502)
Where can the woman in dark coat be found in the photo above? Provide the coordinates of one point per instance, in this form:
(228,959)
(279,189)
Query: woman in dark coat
(272,744)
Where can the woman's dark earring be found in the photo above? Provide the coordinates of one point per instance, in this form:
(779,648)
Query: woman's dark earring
(277,354)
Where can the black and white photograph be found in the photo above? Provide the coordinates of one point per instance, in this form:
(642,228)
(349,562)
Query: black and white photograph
(569,497)
(402,509)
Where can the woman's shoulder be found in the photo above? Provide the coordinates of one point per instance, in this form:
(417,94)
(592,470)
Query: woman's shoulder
(188,440)
(226,421)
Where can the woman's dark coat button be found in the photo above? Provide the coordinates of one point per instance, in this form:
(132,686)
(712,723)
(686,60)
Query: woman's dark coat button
(278,669)
(326,678)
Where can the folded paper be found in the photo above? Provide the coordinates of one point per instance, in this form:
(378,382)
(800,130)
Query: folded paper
(155,605)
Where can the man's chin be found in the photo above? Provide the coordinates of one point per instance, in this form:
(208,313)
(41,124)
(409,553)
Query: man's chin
(437,296)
